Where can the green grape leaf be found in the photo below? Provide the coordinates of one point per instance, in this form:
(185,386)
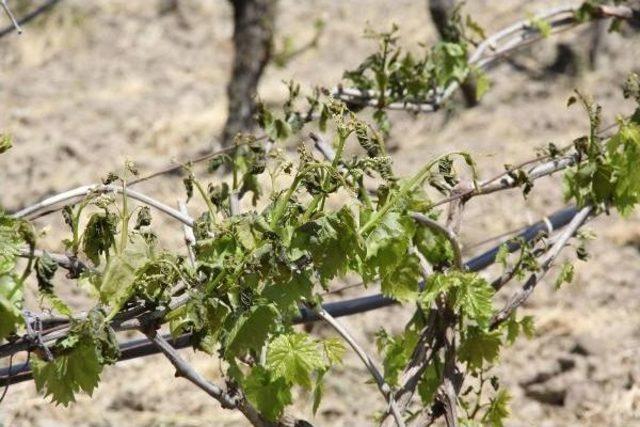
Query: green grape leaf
(498,409)
(479,346)
(435,248)
(251,330)
(608,177)
(402,282)
(10,305)
(119,276)
(471,294)
(434,286)
(294,357)
(388,244)
(10,242)
(624,151)
(11,289)
(334,350)
(397,351)
(332,242)
(514,327)
(78,368)
(566,275)
(473,297)
(269,394)
(287,290)
(541,25)
(528,327)
(318,391)
(429,383)
(502,255)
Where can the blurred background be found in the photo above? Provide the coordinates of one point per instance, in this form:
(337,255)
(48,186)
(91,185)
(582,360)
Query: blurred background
(91,83)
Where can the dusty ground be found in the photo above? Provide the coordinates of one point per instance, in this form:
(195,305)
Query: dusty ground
(99,82)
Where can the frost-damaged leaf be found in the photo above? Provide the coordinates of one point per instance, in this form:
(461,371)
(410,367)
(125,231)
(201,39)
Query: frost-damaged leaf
(99,236)
(631,88)
(110,178)
(157,275)
(203,316)
(102,335)
(5,143)
(482,83)
(143,219)
(188,182)
(294,357)
(251,330)
(46,268)
(268,393)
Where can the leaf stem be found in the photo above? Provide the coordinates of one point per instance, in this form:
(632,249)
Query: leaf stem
(124,233)
(281,204)
(204,195)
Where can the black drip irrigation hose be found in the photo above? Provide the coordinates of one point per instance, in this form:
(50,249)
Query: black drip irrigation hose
(143,347)
(29,16)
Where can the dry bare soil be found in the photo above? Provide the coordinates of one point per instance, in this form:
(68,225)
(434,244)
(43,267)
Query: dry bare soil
(99,82)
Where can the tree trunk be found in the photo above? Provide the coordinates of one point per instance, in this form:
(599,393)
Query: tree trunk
(598,33)
(254,22)
(441,12)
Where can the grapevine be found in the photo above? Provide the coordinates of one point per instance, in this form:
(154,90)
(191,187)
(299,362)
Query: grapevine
(281,228)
